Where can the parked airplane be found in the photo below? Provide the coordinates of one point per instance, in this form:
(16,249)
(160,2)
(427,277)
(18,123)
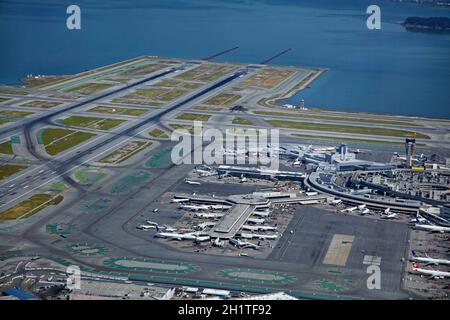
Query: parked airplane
(208,215)
(179,200)
(145,226)
(194,207)
(244,244)
(261,213)
(182,236)
(258,236)
(259,228)
(351,209)
(219,207)
(364,211)
(192,182)
(390,216)
(432,228)
(419,219)
(434,274)
(427,260)
(256,220)
(204,225)
(335,202)
(218,243)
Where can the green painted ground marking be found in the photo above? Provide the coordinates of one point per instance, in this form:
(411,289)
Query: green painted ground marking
(15,140)
(89,176)
(150,265)
(95,206)
(127,182)
(60,228)
(257,276)
(160,160)
(86,249)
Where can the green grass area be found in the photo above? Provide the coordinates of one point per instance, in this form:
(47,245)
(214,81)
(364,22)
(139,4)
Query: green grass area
(194,116)
(30,206)
(160,94)
(344,129)
(57,140)
(126,152)
(6,148)
(2,121)
(138,102)
(242,121)
(92,122)
(118,110)
(178,84)
(15,92)
(58,186)
(7,170)
(208,108)
(14,113)
(41,104)
(176,126)
(360,120)
(89,88)
(4,99)
(158,133)
(223,99)
(172,95)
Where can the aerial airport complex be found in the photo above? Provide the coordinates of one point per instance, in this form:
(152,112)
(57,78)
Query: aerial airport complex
(87,181)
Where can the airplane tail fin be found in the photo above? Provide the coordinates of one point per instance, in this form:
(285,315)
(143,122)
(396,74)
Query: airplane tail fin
(413,253)
(415,265)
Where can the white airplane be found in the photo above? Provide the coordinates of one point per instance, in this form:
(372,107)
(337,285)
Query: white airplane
(152,223)
(182,236)
(364,211)
(258,236)
(167,228)
(351,209)
(244,244)
(192,182)
(259,228)
(261,213)
(204,225)
(419,219)
(432,228)
(145,226)
(335,202)
(194,207)
(256,220)
(434,274)
(208,215)
(390,216)
(180,200)
(427,260)
(218,243)
(219,207)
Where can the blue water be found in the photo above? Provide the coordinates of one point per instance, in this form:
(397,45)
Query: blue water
(386,71)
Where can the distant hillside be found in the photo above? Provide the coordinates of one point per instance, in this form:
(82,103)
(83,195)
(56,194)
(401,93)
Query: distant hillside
(432,24)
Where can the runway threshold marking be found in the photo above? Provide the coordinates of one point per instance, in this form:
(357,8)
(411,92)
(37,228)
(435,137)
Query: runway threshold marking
(339,250)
